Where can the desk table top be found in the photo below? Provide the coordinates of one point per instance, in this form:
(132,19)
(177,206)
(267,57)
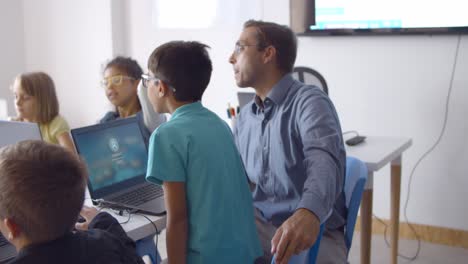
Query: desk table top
(378,151)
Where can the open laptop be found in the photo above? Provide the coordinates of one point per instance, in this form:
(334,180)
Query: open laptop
(7,250)
(12,132)
(116,156)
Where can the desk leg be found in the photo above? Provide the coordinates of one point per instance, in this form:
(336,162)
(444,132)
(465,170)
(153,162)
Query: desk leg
(395,207)
(366,220)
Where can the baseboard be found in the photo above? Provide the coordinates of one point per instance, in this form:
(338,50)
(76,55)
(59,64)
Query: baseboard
(432,234)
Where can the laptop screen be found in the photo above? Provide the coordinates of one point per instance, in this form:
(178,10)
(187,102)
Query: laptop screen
(115,154)
(12,132)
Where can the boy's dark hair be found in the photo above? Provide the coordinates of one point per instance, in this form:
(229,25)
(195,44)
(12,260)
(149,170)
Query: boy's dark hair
(128,65)
(42,188)
(183,65)
(281,37)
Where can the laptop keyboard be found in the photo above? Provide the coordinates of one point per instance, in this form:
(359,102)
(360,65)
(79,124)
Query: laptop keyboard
(140,196)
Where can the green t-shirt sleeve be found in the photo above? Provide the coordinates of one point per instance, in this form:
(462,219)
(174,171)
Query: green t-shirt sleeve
(167,157)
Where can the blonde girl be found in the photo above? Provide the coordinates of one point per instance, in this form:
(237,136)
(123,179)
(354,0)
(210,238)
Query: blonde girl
(36,101)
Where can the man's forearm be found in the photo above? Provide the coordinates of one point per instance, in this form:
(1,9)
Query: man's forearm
(176,240)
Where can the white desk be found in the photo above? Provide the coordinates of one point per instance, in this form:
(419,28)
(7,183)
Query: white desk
(377,152)
(138,226)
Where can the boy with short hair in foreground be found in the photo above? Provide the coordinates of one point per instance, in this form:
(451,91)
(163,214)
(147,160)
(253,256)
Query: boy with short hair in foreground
(42,189)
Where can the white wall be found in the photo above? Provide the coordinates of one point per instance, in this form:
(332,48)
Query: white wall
(397,86)
(70,40)
(391,85)
(12,51)
(144,37)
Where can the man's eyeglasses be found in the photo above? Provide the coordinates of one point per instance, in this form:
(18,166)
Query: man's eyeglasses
(114,80)
(238,48)
(146,79)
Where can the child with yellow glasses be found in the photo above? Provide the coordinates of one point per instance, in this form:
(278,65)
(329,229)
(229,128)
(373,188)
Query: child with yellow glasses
(121,77)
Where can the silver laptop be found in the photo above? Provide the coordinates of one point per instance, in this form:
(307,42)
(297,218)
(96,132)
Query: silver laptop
(12,132)
(244,98)
(116,156)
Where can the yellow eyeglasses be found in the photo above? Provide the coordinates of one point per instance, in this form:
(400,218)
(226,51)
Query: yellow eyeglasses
(114,80)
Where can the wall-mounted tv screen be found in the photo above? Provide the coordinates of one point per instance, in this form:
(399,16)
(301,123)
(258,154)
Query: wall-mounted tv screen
(344,17)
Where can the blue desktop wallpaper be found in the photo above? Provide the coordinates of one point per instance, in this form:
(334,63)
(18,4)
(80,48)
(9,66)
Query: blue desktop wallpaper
(113,154)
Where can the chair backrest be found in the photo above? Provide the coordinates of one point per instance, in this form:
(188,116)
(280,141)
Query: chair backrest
(310,76)
(147,247)
(356,177)
(313,251)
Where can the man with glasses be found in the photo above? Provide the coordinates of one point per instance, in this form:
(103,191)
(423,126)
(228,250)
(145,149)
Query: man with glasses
(290,141)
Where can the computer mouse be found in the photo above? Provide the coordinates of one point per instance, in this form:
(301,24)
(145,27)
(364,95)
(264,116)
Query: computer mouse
(355,140)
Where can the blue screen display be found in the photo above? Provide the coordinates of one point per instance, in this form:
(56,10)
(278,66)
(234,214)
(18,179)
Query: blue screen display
(113,154)
(395,14)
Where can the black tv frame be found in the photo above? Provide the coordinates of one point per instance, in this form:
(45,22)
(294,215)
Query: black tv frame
(386,31)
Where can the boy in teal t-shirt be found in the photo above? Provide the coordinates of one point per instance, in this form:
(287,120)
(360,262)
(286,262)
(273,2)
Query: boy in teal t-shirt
(209,207)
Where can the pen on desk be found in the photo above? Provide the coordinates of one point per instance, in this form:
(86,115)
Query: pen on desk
(228,113)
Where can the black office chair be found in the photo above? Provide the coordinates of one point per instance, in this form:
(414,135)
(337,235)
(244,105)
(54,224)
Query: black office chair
(310,76)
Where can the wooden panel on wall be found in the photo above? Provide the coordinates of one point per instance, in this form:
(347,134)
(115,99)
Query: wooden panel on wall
(431,234)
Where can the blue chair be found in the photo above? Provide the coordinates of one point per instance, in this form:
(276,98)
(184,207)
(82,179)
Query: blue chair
(147,247)
(313,251)
(356,177)
(355,180)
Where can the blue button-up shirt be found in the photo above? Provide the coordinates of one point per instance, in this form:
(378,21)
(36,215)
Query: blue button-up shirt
(292,148)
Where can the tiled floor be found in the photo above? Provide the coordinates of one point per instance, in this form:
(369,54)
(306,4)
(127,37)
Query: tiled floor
(380,254)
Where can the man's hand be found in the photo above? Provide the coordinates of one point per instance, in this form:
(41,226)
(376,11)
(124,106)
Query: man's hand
(295,235)
(88,213)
